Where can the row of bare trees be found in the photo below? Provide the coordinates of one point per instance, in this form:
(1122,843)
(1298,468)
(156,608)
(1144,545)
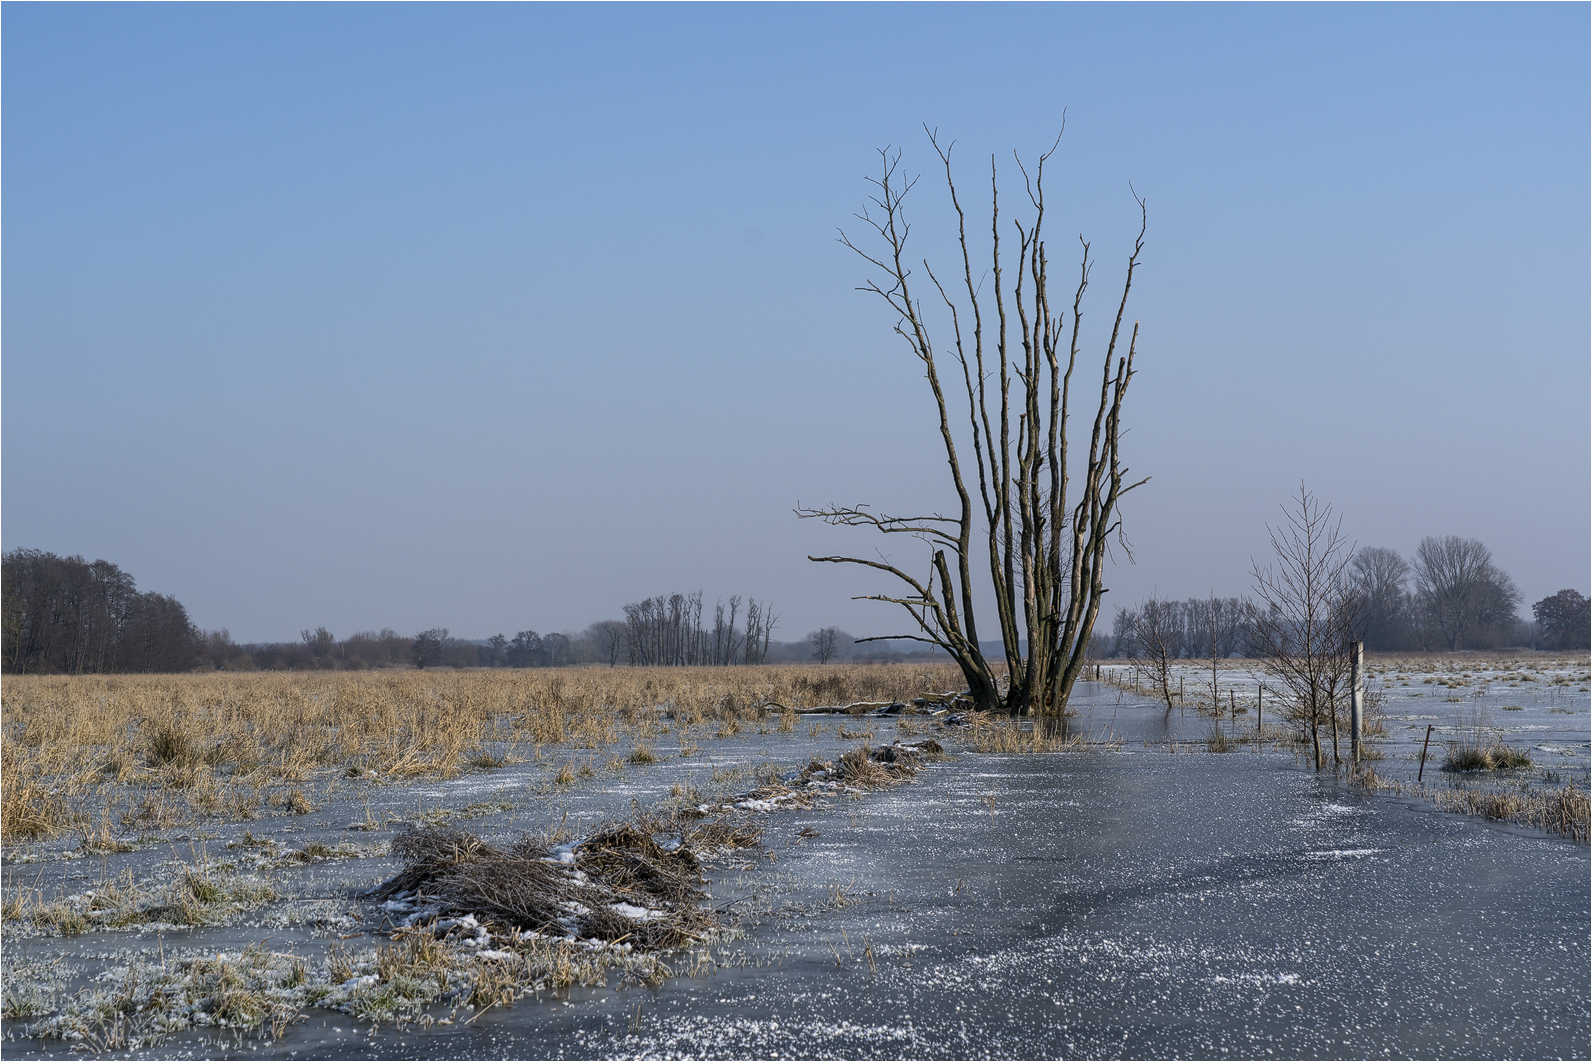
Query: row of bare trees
(65,614)
(1450,596)
(1317,596)
(1301,624)
(670,631)
(1187,628)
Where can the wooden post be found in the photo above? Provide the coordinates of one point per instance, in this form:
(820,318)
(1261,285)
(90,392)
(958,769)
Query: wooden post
(1423,766)
(1258,708)
(1357,683)
(1180,690)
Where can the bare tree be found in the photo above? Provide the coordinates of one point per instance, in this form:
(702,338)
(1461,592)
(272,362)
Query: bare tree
(1459,590)
(1155,636)
(1219,625)
(1044,551)
(726,642)
(320,643)
(823,641)
(1123,633)
(760,627)
(1302,619)
(1378,576)
(610,638)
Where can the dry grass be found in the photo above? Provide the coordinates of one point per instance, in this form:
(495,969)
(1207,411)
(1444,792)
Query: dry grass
(256,992)
(1000,734)
(1495,756)
(620,884)
(174,748)
(1564,810)
(28,809)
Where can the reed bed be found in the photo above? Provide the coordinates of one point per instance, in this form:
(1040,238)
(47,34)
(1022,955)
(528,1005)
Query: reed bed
(1564,810)
(988,733)
(168,748)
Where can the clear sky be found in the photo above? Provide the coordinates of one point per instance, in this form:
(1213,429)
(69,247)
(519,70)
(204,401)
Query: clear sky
(499,317)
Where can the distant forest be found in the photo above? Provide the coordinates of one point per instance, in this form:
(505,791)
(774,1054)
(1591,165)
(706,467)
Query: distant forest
(68,615)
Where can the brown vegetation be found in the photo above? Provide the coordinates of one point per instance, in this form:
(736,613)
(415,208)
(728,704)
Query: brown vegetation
(988,733)
(168,748)
(1561,811)
(618,885)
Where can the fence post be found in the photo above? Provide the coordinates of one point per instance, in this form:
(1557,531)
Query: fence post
(1258,708)
(1357,683)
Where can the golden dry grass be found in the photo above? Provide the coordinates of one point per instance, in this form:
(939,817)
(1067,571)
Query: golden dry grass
(1000,734)
(172,747)
(1564,810)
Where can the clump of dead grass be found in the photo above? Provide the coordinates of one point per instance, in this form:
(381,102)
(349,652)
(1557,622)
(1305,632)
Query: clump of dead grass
(30,810)
(858,770)
(637,881)
(1497,756)
(1481,747)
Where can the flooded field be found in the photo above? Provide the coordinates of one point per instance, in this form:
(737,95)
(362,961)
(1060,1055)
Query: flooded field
(1538,704)
(1136,896)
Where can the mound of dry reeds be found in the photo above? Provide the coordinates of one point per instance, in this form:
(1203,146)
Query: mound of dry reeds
(619,884)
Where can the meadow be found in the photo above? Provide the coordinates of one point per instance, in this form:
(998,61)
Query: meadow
(110,754)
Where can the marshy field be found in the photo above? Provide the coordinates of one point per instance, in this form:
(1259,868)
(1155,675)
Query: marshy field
(800,861)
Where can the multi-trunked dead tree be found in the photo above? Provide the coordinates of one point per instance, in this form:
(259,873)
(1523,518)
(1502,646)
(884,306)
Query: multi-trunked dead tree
(1044,549)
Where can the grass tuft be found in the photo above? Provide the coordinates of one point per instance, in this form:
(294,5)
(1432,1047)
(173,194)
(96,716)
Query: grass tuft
(29,810)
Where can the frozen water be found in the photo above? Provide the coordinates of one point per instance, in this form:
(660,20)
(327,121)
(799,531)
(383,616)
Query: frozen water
(1109,903)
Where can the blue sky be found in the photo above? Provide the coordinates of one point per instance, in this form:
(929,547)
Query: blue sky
(497,317)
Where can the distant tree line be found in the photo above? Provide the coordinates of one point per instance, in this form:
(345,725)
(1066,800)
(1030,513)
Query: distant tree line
(1448,596)
(68,615)
(1177,628)
(663,630)
(320,650)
